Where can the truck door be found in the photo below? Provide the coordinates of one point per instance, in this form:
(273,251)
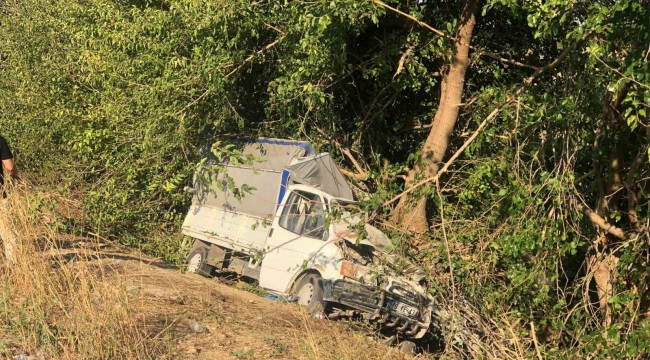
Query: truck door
(298,233)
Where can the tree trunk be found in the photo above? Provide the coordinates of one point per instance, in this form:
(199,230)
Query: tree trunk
(604,266)
(412,212)
(603,263)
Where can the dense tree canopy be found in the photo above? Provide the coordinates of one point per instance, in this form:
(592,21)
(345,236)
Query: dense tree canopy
(542,215)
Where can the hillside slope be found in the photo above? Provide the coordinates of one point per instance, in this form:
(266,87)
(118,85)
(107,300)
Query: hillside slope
(185,316)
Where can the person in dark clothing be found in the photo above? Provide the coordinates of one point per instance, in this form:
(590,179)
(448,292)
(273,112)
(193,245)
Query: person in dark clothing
(7,234)
(7,161)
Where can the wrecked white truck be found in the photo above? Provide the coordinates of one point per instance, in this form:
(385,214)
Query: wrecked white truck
(282,234)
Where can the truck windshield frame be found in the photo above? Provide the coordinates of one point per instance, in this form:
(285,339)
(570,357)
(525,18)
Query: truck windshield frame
(303,214)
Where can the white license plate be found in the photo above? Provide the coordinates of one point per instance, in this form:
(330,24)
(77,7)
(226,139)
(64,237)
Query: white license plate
(403,309)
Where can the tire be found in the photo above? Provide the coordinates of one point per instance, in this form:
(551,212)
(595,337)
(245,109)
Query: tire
(407,347)
(196,261)
(310,294)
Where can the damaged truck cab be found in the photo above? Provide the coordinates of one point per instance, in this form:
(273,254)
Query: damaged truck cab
(295,237)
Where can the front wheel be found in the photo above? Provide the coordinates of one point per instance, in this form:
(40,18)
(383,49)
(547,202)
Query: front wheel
(408,347)
(310,294)
(196,262)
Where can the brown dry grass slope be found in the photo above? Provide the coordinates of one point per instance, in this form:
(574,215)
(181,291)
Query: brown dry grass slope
(71,298)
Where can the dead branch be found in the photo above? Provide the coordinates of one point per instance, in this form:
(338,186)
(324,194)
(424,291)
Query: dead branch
(534,336)
(347,153)
(421,127)
(362,175)
(274,28)
(354,175)
(400,65)
(444,235)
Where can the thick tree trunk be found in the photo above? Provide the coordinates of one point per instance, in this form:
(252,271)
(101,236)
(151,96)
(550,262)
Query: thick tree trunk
(412,212)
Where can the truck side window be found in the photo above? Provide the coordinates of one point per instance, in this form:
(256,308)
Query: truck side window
(303,214)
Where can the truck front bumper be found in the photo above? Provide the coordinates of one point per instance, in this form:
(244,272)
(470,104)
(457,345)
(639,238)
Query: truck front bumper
(379,304)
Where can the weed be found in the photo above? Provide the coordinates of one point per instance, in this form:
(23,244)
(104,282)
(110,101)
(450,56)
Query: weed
(246,354)
(278,347)
(4,349)
(253,288)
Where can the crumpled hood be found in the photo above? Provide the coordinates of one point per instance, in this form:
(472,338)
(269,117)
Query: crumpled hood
(382,245)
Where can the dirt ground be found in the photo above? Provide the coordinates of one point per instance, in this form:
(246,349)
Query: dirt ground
(201,318)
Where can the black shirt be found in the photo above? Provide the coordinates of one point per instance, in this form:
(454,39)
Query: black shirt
(5,154)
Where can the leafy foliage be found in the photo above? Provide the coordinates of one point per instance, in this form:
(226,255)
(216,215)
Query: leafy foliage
(115,101)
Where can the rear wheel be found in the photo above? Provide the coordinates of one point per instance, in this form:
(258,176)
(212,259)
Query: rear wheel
(310,294)
(196,262)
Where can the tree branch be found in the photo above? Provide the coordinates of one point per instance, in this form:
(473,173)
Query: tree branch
(412,18)
(421,127)
(444,235)
(620,73)
(362,175)
(251,57)
(601,223)
(632,196)
(532,334)
(348,173)
(347,153)
(504,60)
(442,34)
(400,64)
(444,169)
(493,114)
(563,55)
(248,59)
(583,177)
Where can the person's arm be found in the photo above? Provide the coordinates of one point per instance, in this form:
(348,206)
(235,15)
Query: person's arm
(10,168)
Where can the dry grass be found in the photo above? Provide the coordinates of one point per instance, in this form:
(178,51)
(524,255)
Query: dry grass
(61,309)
